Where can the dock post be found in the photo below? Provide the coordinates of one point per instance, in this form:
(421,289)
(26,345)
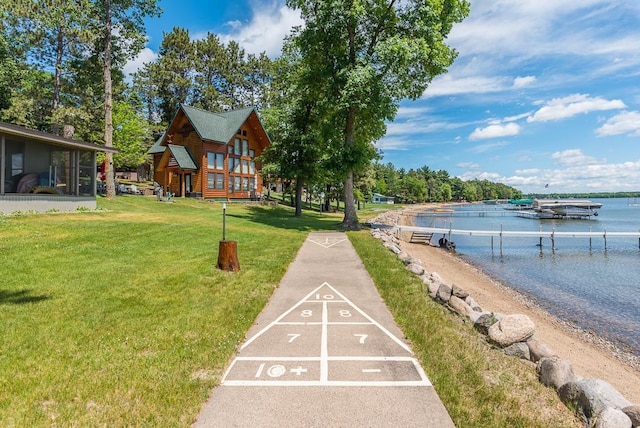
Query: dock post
(553,240)
(605,239)
(500,238)
(590,238)
(540,239)
(492,239)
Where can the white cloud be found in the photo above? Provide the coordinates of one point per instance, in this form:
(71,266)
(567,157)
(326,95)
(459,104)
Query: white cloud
(627,122)
(521,82)
(572,105)
(266,31)
(573,157)
(488,147)
(449,84)
(468,165)
(145,56)
(495,131)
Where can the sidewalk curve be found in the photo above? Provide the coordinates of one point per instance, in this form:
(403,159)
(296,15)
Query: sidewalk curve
(325,352)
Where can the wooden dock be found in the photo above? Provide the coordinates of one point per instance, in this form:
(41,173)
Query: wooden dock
(540,234)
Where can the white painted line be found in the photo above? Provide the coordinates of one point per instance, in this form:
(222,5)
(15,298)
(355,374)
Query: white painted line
(368,371)
(327,383)
(377,324)
(340,358)
(324,350)
(261,332)
(328,243)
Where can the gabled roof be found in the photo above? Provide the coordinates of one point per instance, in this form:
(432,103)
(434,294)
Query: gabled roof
(182,156)
(19,131)
(157,146)
(218,127)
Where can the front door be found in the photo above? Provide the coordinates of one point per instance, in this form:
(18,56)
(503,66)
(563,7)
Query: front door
(187,184)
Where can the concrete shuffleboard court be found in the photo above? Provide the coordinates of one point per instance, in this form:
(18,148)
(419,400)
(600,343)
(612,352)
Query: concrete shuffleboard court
(325,352)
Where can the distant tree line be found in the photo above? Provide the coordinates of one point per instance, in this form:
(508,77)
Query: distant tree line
(426,185)
(598,195)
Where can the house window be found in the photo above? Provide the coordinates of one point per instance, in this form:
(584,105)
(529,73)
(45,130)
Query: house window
(245,184)
(236,184)
(17,163)
(215,180)
(215,161)
(252,184)
(245,148)
(236,146)
(236,167)
(252,167)
(252,153)
(245,166)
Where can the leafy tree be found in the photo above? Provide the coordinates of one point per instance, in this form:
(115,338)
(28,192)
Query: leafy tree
(175,71)
(363,57)
(129,135)
(128,16)
(210,55)
(9,74)
(296,130)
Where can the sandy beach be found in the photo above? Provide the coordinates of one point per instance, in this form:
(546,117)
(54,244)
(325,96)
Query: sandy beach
(591,357)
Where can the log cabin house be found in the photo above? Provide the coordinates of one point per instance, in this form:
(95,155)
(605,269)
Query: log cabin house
(211,155)
(45,172)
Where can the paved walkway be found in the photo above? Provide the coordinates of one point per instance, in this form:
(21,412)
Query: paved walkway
(325,352)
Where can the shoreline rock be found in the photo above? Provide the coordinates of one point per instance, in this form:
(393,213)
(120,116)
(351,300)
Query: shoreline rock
(594,400)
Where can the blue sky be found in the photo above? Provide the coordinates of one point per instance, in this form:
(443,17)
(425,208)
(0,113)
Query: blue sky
(543,91)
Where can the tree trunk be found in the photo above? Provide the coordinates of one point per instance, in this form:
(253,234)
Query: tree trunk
(57,80)
(350,220)
(228,256)
(108,105)
(299,197)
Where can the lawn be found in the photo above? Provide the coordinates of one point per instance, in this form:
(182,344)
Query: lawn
(119,317)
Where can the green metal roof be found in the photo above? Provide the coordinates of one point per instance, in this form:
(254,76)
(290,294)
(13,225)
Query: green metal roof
(219,127)
(157,146)
(182,156)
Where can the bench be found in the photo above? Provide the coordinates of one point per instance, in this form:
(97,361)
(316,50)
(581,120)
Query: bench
(420,238)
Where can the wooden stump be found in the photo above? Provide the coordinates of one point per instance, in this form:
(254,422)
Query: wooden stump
(228,256)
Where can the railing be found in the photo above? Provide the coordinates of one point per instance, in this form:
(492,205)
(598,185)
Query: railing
(551,234)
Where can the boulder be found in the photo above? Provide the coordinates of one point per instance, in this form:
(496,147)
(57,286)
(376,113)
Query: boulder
(555,372)
(589,397)
(392,247)
(444,292)
(511,329)
(433,289)
(539,350)
(475,315)
(612,418)
(459,292)
(458,305)
(404,257)
(484,322)
(634,414)
(436,278)
(520,350)
(415,268)
(474,305)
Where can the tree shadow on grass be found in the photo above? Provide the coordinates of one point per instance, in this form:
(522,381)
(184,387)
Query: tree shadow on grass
(285,219)
(20,297)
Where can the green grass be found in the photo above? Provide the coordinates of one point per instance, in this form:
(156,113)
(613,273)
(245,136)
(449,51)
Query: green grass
(479,386)
(120,318)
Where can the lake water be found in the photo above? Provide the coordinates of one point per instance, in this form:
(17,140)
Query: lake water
(597,288)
